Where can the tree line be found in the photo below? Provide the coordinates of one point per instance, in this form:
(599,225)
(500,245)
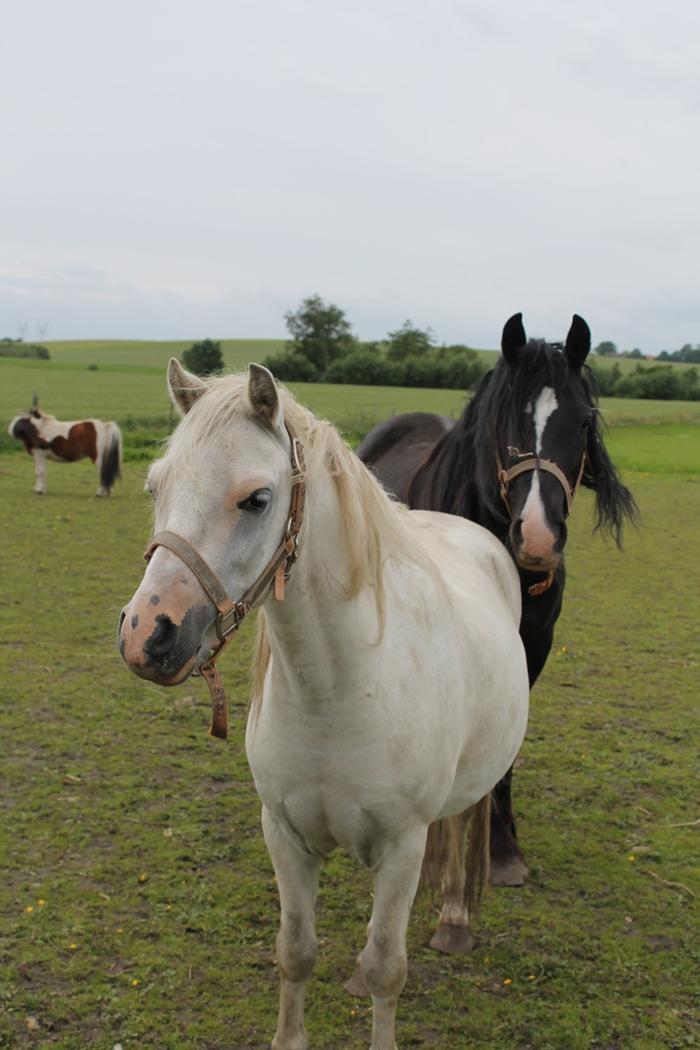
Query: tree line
(656,382)
(323,349)
(18,348)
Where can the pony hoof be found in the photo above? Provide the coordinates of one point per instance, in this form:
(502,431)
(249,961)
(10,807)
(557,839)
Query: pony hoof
(356,985)
(511,872)
(452,940)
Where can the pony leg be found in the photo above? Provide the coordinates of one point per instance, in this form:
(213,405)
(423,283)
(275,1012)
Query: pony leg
(297,881)
(508,867)
(452,935)
(383,959)
(40,471)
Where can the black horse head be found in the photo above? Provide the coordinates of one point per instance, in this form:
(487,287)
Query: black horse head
(538,404)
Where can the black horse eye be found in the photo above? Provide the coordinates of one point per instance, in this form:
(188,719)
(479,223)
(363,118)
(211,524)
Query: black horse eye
(257,500)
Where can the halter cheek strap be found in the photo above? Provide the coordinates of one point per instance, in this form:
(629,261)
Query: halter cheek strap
(232,613)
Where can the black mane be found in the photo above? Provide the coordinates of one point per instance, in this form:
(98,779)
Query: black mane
(463,464)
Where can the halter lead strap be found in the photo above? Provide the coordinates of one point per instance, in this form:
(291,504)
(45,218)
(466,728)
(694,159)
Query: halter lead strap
(232,613)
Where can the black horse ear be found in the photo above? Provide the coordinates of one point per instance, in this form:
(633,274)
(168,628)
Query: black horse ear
(578,342)
(513,338)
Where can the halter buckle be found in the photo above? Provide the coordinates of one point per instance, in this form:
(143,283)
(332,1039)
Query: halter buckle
(228,623)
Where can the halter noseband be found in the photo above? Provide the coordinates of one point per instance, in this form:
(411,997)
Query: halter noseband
(528,461)
(230,614)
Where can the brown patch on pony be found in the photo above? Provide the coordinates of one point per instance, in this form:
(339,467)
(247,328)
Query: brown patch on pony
(81,442)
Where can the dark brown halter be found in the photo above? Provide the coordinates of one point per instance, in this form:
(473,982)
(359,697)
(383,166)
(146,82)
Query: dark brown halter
(528,461)
(232,613)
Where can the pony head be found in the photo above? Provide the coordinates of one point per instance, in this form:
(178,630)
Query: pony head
(539,403)
(224,487)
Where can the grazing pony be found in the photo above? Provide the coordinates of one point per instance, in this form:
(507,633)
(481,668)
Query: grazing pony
(512,463)
(391,680)
(46,437)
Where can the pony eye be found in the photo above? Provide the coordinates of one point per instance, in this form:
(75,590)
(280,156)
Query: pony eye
(257,501)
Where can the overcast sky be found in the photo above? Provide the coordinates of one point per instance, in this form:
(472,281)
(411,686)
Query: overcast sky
(181,169)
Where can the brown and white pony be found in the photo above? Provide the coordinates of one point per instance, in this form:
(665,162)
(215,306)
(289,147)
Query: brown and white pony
(46,437)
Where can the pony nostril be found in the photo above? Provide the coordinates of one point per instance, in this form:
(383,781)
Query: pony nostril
(122,617)
(163,637)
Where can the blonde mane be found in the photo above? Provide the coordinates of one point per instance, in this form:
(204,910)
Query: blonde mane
(375,528)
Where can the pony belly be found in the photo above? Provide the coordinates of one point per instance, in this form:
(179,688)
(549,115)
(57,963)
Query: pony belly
(318,825)
(73,457)
(353,793)
(487,757)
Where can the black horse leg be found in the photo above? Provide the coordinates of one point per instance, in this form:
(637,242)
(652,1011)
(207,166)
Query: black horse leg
(508,866)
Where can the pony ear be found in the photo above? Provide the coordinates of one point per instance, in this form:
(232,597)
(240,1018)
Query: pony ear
(263,396)
(578,342)
(184,387)
(513,338)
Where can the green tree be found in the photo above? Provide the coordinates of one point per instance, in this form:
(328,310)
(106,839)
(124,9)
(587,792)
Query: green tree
(605,349)
(409,341)
(320,332)
(204,358)
(364,366)
(291,367)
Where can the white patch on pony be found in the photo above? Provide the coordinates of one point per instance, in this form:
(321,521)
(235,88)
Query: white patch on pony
(537,535)
(546,404)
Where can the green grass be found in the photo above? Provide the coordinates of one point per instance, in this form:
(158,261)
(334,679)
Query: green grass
(135,395)
(141,835)
(154,353)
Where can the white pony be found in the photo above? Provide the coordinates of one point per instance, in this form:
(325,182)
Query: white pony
(392,686)
(46,437)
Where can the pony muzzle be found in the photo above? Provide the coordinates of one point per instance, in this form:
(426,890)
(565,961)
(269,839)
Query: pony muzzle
(164,645)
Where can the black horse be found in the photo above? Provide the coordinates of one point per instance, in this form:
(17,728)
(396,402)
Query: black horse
(513,461)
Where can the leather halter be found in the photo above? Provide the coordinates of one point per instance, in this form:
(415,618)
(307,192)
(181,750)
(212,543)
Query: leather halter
(528,461)
(230,614)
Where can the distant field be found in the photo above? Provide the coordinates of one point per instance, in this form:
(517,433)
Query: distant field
(121,388)
(152,353)
(627,364)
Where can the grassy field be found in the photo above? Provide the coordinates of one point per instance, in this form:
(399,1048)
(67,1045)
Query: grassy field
(137,903)
(135,394)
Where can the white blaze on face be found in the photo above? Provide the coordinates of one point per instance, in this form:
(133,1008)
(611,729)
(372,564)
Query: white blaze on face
(538,538)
